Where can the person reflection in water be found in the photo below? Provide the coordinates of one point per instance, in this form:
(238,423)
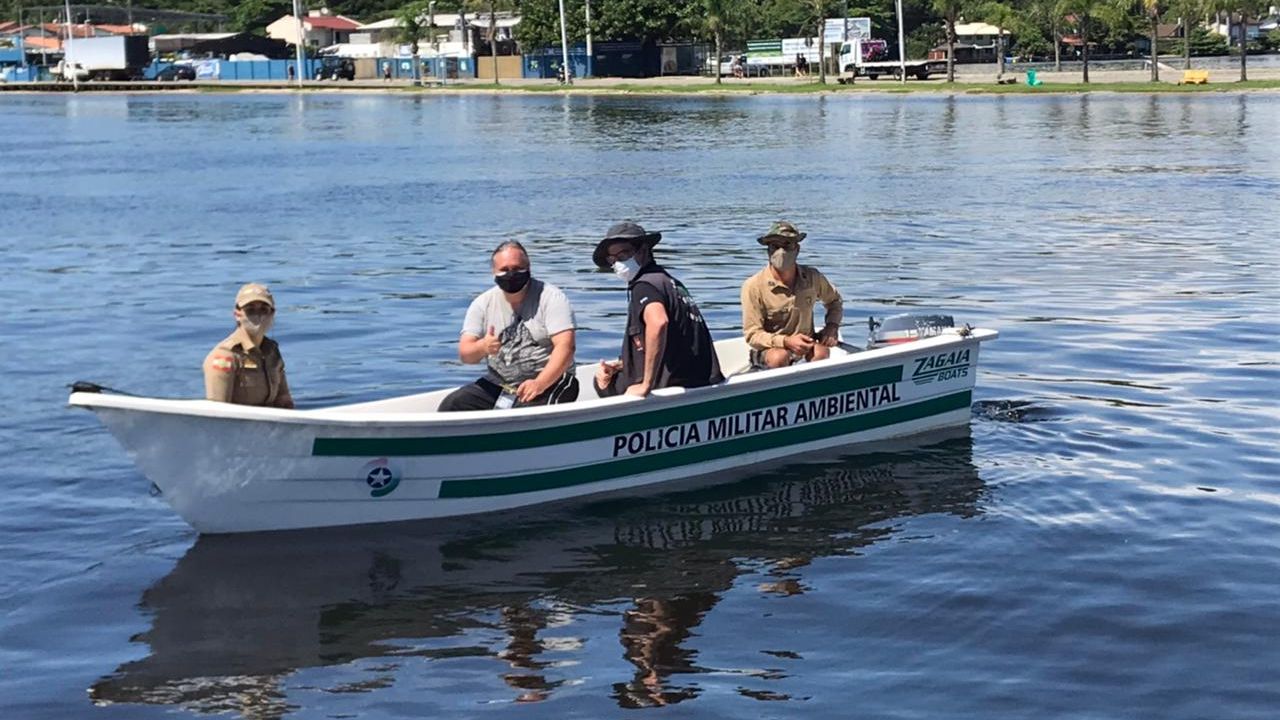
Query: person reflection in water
(522,624)
(651,636)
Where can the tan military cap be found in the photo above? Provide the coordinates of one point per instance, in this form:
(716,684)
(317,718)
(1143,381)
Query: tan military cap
(254,292)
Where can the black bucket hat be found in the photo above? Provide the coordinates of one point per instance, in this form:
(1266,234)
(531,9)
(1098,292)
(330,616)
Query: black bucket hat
(622,231)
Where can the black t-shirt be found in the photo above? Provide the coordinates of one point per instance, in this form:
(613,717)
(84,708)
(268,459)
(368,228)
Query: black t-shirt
(689,359)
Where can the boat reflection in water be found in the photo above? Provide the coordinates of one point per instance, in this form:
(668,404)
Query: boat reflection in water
(239,614)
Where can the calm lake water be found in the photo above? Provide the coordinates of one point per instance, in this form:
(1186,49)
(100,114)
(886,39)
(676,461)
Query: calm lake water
(1103,543)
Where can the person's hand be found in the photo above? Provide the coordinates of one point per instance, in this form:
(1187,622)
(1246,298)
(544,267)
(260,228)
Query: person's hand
(491,343)
(639,389)
(605,373)
(829,336)
(529,389)
(798,345)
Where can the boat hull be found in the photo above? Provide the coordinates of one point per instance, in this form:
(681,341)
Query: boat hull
(231,469)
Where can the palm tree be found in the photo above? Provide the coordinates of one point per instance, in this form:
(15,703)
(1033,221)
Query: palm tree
(716,19)
(820,9)
(950,12)
(1003,17)
(1152,9)
(1185,10)
(1086,13)
(1040,15)
(411,28)
(1245,10)
(493,37)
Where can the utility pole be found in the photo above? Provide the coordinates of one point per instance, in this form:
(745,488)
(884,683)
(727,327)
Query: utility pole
(67,62)
(902,45)
(435,38)
(844,38)
(564,47)
(297,17)
(22,45)
(591,56)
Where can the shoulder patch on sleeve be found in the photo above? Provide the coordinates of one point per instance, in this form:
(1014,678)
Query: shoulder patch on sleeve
(222,363)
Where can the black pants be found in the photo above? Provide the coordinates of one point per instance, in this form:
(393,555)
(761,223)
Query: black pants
(483,393)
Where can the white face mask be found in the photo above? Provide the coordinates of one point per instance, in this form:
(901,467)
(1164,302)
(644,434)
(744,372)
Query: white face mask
(256,324)
(626,269)
(782,259)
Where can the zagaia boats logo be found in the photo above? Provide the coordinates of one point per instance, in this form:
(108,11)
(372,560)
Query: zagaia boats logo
(381,476)
(942,366)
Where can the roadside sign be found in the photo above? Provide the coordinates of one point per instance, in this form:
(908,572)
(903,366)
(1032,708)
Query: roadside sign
(859,27)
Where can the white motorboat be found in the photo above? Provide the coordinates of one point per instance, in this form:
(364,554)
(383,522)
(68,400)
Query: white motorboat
(232,468)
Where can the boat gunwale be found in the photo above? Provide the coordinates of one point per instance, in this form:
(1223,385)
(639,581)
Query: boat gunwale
(335,415)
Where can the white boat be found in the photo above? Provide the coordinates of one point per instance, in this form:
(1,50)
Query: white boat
(233,468)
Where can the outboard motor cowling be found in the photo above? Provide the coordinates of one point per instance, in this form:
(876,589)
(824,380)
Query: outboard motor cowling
(897,329)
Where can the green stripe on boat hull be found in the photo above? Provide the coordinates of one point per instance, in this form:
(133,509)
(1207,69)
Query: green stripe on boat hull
(535,482)
(541,437)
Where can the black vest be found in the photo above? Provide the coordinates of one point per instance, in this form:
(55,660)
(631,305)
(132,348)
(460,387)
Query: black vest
(689,359)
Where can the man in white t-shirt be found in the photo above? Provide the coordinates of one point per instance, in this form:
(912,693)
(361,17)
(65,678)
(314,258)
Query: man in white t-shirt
(524,329)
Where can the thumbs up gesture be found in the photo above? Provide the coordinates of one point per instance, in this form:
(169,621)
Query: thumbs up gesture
(491,343)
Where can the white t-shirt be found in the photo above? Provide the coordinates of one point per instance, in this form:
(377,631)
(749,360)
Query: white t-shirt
(525,333)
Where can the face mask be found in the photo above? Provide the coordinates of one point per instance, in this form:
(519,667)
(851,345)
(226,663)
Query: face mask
(256,324)
(783,259)
(626,269)
(512,281)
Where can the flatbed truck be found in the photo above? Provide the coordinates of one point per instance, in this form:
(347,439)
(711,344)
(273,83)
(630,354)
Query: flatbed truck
(852,65)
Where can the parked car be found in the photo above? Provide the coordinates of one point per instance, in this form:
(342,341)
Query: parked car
(177,72)
(744,67)
(332,68)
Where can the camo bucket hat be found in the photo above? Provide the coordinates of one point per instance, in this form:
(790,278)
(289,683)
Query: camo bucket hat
(781,230)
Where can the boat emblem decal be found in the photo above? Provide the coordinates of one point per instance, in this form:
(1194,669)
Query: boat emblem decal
(381,477)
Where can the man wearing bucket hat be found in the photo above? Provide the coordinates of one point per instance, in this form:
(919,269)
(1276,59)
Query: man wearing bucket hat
(667,343)
(778,304)
(246,368)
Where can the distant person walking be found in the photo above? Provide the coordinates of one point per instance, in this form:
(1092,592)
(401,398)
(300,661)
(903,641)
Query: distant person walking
(802,65)
(290,72)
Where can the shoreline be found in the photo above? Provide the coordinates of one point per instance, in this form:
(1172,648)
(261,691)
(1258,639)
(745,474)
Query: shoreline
(1063,84)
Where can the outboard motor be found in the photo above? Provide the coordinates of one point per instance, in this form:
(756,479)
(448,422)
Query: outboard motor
(897,329)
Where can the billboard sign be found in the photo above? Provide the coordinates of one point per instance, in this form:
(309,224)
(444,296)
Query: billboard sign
(859,27)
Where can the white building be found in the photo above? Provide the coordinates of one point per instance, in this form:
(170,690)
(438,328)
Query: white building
(320,28)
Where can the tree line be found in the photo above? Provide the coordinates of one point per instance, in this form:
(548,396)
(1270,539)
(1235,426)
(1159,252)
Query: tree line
(1036,28)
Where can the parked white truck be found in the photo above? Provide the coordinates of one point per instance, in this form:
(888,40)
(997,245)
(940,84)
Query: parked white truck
(854,64)
(115,57)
